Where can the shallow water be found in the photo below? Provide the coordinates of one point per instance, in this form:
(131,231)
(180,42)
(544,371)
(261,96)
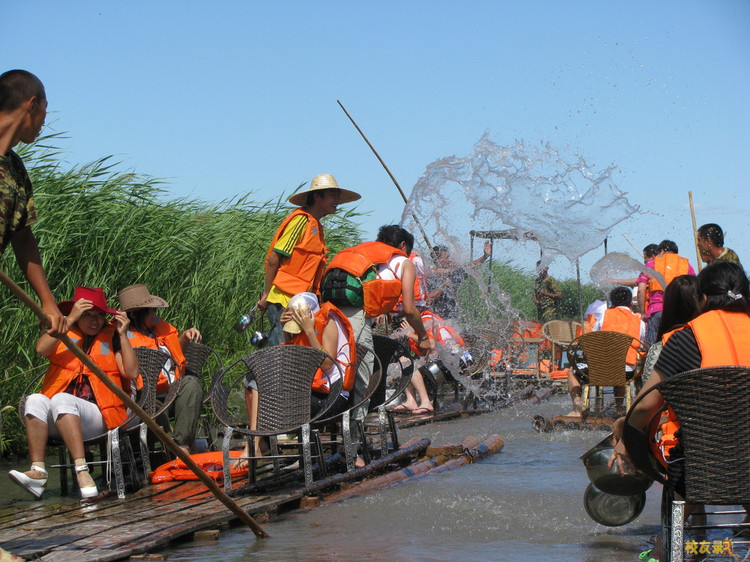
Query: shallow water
(523,503)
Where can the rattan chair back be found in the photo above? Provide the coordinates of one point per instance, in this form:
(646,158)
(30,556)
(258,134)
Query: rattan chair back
(606,353)
(561,332)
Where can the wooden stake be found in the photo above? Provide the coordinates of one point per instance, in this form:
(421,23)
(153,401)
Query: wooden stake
(695,231)
(137,410)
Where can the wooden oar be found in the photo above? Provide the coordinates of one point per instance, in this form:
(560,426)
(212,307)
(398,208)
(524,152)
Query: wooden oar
(401,191)
(137,410)
(695,230)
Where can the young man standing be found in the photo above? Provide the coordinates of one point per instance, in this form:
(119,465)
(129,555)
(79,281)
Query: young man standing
(297,255)
(23,108)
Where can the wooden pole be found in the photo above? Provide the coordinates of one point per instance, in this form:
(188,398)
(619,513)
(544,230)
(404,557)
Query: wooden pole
(137,410)
(695,231)
(401,191)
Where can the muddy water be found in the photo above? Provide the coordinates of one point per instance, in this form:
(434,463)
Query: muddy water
(525,503)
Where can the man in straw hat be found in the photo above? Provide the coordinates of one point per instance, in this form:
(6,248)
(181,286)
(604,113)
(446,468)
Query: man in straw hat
(23,108)
(297,255)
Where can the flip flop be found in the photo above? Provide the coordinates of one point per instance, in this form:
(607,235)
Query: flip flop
(422,411)
(401,409)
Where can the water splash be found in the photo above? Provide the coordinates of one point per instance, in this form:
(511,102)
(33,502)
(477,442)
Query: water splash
(610,270)
(566,204)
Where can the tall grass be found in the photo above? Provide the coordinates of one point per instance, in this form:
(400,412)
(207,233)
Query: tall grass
(101,227)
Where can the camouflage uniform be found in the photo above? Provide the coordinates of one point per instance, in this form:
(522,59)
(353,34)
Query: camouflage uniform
(17,198)
(546,306)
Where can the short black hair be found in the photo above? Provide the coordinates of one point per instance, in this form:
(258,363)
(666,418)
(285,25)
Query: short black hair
(668,246)
(712,232)
(393,235)
(651,251)
(621,296)
(16,86)
(725,286)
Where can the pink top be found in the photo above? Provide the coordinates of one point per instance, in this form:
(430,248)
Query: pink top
(656,298)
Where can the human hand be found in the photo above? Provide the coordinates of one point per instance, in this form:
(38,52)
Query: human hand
(487,248)
(192,334)
(304,320)
(58,324)
(79,307)
(262,303)
(121,322)
(425,346)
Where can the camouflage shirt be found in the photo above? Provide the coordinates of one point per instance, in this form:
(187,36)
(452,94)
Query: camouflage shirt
(17,197)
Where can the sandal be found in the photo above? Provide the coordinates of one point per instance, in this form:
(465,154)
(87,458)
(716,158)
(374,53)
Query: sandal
(35,486)
(85,483)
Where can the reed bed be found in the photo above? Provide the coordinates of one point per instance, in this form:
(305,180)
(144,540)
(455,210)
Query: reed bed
(101,227)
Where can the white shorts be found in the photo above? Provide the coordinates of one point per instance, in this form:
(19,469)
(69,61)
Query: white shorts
(49,409)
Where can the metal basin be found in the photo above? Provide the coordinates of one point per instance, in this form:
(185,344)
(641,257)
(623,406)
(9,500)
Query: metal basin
(609,480)
(612,510)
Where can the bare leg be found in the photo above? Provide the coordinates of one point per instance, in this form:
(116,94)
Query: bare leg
(36,435)
(69,426)
(574,388)
(419,387)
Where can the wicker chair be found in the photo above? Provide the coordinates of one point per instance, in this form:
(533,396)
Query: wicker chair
(398,368)
(345,418)
(284,375)
(561,333)
(713,408)
(150,363)
(605,354)
(206,364)
(112,445)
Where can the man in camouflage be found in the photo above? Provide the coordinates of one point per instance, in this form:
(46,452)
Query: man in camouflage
(23,108)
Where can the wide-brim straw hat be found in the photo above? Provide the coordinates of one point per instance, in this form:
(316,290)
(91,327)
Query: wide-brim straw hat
(138,296)
(323,181)
(303,303)
(95,295)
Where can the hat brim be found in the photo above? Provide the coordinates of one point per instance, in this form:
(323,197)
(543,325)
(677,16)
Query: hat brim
(66,306)
(347,196)
(152,302)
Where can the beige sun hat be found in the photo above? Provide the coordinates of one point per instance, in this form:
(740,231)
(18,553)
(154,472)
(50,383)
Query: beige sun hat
(137,296)
(303,303)
(323,181)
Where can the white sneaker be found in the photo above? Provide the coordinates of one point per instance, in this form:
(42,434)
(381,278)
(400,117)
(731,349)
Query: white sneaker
(35,486)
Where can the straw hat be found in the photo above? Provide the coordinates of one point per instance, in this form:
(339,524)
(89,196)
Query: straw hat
(303,303)
(96,296)
(323,181)
(137,296)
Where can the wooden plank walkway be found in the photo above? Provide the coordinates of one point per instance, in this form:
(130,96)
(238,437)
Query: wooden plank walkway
(114,529)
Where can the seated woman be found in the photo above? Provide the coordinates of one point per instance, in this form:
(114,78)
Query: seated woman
(719,336)
(148,330)
(324,327)
(74,404)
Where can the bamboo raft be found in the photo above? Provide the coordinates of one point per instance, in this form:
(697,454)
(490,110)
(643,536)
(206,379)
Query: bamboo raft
(155,516)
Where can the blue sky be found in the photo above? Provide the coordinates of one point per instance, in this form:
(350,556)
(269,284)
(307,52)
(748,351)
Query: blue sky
(225,98)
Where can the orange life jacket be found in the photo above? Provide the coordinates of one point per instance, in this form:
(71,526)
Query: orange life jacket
(623,320)
(211,462)
(380,295)
(670,266)
(64,367)
(421,295)
(167,336)
(303,270)
(346,347)
(724,340)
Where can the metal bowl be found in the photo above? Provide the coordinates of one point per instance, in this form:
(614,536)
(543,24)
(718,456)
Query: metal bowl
(612,510)
(609,480)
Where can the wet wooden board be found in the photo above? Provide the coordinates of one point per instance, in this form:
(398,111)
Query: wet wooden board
(116,529)
(566,423)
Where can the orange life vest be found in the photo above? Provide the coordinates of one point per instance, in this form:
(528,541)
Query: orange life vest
(421,295)
(623,320)
(346,347)
(670,266)
(211,462)
(64,367)
(167,336)
(724,340)
(380,295)
(303,270)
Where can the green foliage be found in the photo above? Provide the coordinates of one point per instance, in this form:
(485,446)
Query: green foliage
(101,227)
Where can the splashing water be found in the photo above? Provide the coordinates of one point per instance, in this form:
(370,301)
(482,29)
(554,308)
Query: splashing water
(605,272)
(567,205)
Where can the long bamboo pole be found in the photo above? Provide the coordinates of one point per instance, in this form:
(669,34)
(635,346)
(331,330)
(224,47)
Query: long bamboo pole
(137,410)
(695,230)
(401,191)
